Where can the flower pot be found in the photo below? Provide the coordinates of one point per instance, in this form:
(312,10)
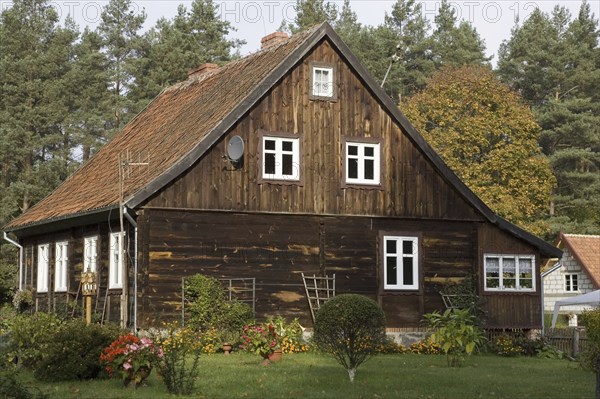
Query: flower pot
(276,356)
(227,348)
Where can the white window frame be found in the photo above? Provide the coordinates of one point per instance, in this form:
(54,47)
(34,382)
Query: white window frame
(322,87)
(61,262)
(400,255)
(502,287)
(279,153)
(43,264)
(90,254)
(569,282)
(115,261)
(361,160)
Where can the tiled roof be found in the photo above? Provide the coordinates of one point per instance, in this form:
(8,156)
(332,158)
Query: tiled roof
(586,250)
(174,123)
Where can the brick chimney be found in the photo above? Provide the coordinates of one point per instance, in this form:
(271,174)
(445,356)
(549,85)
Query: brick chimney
(202,69)
(273,39)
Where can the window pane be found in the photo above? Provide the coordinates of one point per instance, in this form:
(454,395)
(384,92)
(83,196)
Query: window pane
(287,145)
(352,150)
(525,265)
(492,265)
(526,283)
(288,164)
(369,169)
(407,247)
(269,164)
(391,274)
(509,280)
(492,282)
(408,274)
(391,246)
(269,144)
(509,265)
(369,151)
(574,285)
(353,168)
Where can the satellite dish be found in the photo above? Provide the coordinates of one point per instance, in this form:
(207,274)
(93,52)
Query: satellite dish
(235,148)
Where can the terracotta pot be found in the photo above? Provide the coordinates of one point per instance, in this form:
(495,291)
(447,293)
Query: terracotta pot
(227,348)
(276,356)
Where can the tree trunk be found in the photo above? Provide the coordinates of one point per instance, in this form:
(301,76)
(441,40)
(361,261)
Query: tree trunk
(351,374)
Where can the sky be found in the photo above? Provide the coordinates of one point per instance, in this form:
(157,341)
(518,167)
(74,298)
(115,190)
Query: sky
(252,20)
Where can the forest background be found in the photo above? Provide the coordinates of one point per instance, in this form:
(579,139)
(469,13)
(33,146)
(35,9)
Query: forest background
(523,134)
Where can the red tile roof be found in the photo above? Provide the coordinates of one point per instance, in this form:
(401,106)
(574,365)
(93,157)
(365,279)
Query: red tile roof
(586,251)
(174,123)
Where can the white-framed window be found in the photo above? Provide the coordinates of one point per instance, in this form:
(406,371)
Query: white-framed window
(115,261)
(400,263)
(509,272)
(43,261)
(90,254)
(571,284)
(322,81)
(363,163)
(61,259)
(281,158)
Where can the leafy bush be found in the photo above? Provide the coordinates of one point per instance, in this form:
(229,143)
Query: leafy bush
(591,320)
(30,336)
(290,335)
(74,351)
(260,339)
(427,346)
(506,345)
(209,308)
(457,333)
(351,327)
(178,345)
(11,386)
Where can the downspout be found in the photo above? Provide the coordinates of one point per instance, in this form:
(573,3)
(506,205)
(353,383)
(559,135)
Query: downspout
(544,274)
(20,259)
(135,264)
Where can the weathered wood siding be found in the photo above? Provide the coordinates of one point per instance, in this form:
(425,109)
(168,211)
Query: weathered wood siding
(411,187)
(58,301)
(275,249)
(509,309)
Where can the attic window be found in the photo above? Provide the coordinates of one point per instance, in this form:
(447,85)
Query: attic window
(280,159)
(362,162)
(322,81)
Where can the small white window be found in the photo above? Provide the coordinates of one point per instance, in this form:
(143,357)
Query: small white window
(115,262)
(281,158)
(90,254)
(61,257)
(571,284)
(322,81)
(43,261)
(400,263)
(362,163)
(509,272)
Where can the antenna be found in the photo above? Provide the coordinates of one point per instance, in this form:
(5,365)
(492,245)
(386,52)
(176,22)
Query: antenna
(235,149)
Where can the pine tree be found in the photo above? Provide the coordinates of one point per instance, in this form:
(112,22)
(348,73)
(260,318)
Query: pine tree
(310,13)
(554,62)
(456,44)
(119,28)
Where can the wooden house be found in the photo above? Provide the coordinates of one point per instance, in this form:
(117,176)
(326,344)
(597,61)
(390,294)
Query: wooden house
(291,160)
(577,273)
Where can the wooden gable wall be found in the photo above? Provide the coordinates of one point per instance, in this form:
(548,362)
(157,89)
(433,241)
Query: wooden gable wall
(410,185)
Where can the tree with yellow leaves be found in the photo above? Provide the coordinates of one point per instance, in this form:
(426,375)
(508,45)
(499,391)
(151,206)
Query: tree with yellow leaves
(489,138)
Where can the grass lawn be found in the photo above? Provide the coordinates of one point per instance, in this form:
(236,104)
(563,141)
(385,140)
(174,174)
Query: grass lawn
(386,376)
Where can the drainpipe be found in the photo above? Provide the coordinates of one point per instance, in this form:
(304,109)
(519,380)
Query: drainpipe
(135,264)
(544,274)
(20,259)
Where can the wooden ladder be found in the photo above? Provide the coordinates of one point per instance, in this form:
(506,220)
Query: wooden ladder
(318,289)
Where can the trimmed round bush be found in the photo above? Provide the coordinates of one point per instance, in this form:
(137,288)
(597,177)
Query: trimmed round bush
(350,327)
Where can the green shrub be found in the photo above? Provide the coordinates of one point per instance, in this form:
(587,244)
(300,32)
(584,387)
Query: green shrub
(232,317)
(75,351)
(30,336)
(457,333)
(11,386)
(206,300)
(290,335)
(351,327)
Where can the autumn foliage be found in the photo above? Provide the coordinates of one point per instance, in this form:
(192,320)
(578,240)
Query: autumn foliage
(489,138)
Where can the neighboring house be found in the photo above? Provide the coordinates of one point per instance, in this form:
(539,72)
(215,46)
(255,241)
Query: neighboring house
(577,274)
(291,160)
